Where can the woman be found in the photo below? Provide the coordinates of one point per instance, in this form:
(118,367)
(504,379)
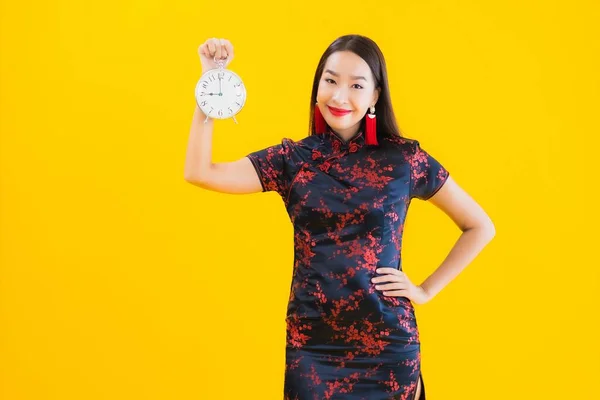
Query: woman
(351,327)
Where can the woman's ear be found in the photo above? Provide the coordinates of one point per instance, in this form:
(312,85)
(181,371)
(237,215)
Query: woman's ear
(376,95)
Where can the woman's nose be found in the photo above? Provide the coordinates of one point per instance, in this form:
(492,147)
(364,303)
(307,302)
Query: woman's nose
(340,95)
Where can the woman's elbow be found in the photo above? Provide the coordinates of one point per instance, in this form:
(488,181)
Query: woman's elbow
(489,230)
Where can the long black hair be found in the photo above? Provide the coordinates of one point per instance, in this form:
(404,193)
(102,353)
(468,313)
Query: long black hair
(368,50)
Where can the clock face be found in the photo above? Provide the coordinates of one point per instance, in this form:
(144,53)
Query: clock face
(220,93)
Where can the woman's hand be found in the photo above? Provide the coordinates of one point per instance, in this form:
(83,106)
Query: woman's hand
(220,48)
(400,285)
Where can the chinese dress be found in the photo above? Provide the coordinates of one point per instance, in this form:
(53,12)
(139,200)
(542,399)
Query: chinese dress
(347,202)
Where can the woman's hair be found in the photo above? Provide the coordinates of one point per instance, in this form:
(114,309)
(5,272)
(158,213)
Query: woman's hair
(368,50)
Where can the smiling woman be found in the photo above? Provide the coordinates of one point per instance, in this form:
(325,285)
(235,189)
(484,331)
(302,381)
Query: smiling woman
(347,188)
(352,331)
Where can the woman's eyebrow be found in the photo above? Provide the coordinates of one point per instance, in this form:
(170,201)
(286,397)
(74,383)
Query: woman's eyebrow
(353,77)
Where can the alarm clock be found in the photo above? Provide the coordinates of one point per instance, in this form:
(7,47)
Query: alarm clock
(220,93)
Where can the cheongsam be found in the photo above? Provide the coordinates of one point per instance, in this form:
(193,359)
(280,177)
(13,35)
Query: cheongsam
(347,202)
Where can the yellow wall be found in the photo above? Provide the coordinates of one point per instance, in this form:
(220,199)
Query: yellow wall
(119,280)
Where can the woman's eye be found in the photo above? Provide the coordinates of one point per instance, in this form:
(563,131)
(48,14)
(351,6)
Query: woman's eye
(329,79)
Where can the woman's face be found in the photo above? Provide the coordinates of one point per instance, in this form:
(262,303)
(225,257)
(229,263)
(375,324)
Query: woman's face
(347,84)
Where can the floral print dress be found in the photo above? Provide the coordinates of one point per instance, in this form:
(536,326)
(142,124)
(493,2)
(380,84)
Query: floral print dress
(348,202)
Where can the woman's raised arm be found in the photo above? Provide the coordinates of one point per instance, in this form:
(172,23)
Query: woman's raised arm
(236,177)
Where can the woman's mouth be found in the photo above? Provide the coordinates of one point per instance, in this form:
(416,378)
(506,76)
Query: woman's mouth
(338,112)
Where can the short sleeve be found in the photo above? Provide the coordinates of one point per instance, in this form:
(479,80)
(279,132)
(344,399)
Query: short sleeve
(427,175)
(271,165)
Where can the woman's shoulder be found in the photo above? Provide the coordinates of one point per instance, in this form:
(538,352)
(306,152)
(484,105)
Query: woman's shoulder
(402,143)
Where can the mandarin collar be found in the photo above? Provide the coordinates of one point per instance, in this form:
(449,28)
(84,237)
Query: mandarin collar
(337,142)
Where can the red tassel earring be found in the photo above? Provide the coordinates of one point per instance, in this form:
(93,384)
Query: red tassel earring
(320,124)
(371,129)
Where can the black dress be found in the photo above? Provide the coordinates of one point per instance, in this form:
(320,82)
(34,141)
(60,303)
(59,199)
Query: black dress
(347,203)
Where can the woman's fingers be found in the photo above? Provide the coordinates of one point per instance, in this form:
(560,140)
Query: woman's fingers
(212,47)
(390,286)
(219,48)
(397,293)
(390,271)
(223,50)
(229,47)
(205,50)
(389,278)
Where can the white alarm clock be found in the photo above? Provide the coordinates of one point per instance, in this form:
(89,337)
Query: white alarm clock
(220,93)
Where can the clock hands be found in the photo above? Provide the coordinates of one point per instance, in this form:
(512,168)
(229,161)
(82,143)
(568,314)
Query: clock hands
(220,89)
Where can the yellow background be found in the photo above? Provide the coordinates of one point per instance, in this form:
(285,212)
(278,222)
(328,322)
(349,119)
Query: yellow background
(119,280)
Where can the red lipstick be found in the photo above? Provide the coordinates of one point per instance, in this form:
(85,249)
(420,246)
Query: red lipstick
(338,112)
